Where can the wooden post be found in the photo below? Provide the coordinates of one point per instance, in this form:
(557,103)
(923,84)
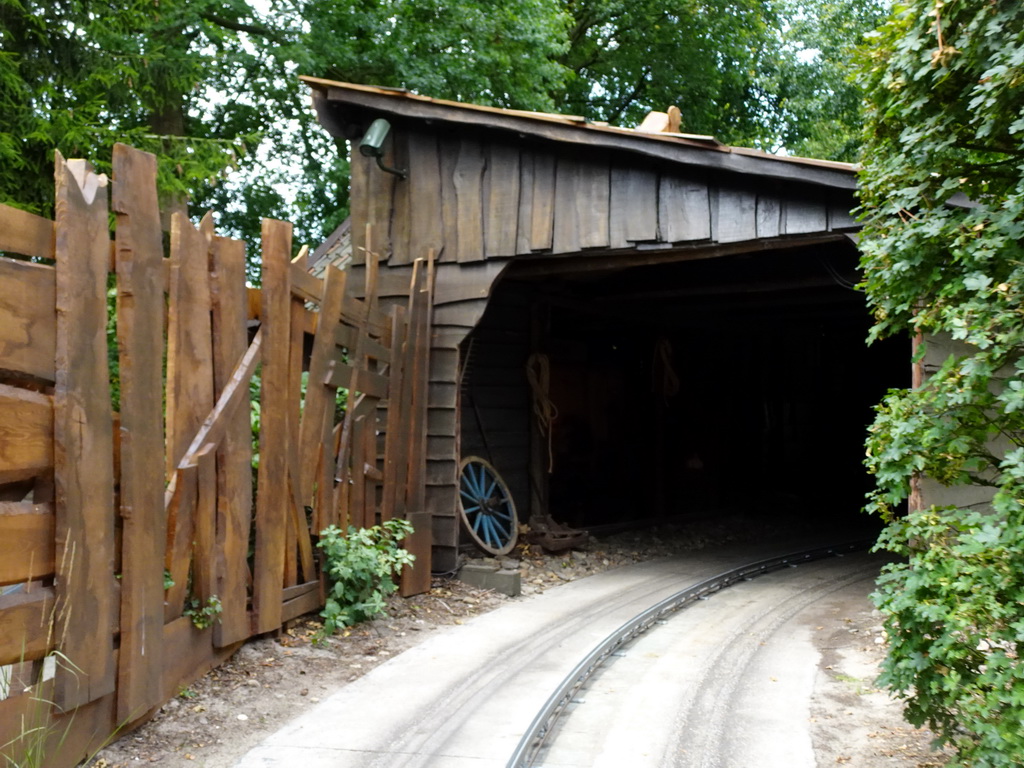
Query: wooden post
(416,580)
(358,477)
(396,447)
(140,332)
(539,451)
(234,456)
(189,401)
(418,374)
(297,531)
(320,394)
(83,440)
(272,500)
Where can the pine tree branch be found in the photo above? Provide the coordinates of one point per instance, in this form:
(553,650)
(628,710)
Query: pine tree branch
(238,26)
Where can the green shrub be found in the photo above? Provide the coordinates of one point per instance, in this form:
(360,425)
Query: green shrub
(361,567)
(203,615)
(955,622)
(943,256)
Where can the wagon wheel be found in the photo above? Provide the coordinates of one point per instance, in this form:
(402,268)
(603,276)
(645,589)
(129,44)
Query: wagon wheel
(487,508)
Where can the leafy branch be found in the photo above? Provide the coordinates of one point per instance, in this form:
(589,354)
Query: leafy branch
(361,566)
(954,603)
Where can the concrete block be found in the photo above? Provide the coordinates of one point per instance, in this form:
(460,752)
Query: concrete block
(489,575)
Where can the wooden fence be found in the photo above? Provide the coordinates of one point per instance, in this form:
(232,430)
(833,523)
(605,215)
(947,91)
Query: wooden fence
(114,525)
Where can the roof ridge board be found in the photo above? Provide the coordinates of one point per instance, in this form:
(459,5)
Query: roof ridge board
(406,93)
(458,112)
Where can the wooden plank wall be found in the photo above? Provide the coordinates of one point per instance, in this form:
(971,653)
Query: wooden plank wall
(98,510)
(472,197)
(460,295)
(496,399)
(479,200)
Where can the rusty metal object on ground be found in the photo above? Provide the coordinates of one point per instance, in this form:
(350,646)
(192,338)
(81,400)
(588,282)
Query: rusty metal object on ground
(552,536)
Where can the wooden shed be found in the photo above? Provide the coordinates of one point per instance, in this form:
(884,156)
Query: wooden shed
(687,311)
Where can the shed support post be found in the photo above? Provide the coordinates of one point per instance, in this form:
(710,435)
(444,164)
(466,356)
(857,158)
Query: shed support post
(540,480)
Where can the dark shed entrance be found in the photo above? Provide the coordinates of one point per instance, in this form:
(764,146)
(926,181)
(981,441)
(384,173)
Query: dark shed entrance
(685,307)
(734,384)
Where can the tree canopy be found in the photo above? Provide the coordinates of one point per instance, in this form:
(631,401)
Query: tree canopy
(713,60)
(211,86)
(79,78)
(821,100)
(943,245)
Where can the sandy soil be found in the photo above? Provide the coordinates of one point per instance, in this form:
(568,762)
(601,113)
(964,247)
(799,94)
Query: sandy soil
(215,721)
(853,722)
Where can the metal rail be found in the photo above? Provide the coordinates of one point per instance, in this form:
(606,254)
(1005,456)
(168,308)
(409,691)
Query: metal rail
(542,724)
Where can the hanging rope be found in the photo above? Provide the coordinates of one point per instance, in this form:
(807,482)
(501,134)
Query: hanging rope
(538,373)
(664,380)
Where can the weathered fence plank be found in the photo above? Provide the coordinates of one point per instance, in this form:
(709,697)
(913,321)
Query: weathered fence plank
(233,368)
(318,412)
(189,400)
(417,580)
(301,599)
(272,501)
(83,440)
(26,727)
(396,447)
(188,655)
(357,478)
(298,530)
(28,318)
(140,332)
(26,631)
(26,434)
(26,541)
(217,425)
(422,316)
(25,233)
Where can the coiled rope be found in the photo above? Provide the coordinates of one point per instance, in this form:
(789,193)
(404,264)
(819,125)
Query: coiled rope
(538,373)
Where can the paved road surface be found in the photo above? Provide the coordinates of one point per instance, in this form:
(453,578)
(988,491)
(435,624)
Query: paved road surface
(726,683)
(464,697)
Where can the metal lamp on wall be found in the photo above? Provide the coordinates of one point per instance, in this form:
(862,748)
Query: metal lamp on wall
(372,145)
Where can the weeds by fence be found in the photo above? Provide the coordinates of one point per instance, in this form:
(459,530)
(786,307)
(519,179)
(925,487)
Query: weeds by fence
(118,529)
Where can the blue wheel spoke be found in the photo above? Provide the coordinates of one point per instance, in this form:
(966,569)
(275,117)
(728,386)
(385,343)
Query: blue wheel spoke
(480,519)
(505,534)
(495,533)
(478,479)
(490,490)
(469,495)
(467,510)
(502,515)
(485,534)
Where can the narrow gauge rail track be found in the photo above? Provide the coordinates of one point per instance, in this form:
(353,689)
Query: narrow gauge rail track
(544,723)
(463,697)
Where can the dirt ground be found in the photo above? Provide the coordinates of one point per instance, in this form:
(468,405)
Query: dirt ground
(853,722)
(269,681)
